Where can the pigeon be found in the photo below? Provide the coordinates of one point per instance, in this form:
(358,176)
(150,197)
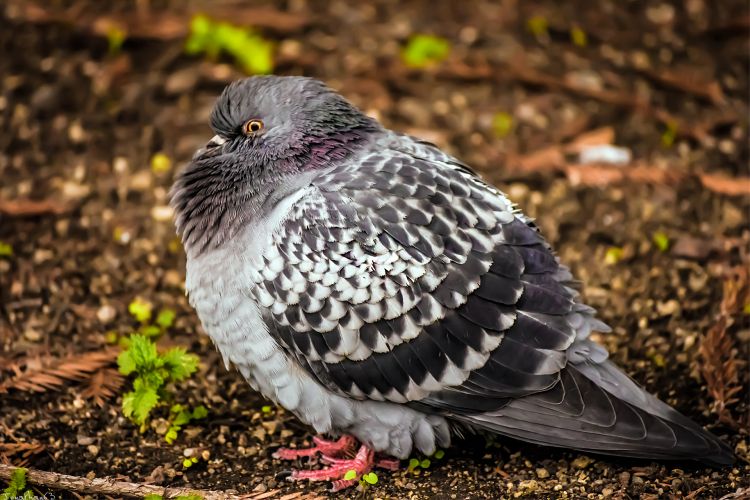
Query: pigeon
(381,291)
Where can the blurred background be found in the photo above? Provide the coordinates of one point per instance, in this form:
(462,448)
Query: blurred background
(622,126)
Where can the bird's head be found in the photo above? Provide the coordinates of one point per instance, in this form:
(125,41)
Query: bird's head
(272,132)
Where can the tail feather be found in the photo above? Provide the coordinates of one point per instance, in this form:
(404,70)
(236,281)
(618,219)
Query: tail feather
(614,417)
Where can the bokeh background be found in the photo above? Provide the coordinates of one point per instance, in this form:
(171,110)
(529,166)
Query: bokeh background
(622,126)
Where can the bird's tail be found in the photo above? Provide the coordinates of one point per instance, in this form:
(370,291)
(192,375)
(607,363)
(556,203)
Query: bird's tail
(597,408)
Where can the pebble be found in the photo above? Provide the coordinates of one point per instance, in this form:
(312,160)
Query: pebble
(542,473)
(106,313)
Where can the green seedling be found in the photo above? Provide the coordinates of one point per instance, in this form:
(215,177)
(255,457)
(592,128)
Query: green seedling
(115,38)
(160,163)
(669,135)
(538,26)
(6,249)
(180,416)
(502,124)
(425,50)
(140,309)
(153,372)
(17,487)
(613,255)
(578,37)
(266,409)
(661,241)
(252,53)
(350,474)
(369,478)
(189,462)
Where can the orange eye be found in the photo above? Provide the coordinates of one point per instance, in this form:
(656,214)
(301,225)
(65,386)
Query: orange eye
(253,126)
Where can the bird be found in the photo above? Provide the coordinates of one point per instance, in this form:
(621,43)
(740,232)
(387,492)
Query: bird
(381,291)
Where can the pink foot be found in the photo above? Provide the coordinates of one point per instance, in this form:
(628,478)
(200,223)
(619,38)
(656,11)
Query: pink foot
(341,447)
(339,456)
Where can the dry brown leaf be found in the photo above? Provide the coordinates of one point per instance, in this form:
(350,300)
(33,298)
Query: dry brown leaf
(730,186)
(19,453)
(720,363)
(157,24)
(597,137)
(28,208)
(103,385)
(41,374)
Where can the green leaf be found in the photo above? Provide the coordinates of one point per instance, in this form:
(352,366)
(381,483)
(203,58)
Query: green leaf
(115,38)
(171,434)
(153,496)
(439,454)
(16,485)
(179,363)
(613,255)
(578,36)
(150,331)
(189,497)
(502,124)
(6,249)
(160,163)
(137,404)
(200,412)
(350,474)
(28,495)
(266,409)
(143,351)
(370,478)
(537,26)
(425,50)
(165,318)
(413,463)
(187,463)
(425,463)
(126,363)
(669,135)
(182,418)
(661,240)
(140,309)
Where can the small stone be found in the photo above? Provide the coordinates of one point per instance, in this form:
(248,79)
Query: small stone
(607,492)
(106,313)
(93,449)
(542,473)
(32,334)
(581,462)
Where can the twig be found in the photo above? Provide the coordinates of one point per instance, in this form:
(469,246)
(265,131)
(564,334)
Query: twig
(108,486)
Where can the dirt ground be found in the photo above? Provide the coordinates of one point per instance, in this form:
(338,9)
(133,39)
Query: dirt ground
(660,244)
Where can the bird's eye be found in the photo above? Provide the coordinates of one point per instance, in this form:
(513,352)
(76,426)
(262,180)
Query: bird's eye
(253,126)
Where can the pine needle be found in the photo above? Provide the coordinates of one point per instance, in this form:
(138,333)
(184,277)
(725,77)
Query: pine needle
(104,384)
(720,363)
(42,374)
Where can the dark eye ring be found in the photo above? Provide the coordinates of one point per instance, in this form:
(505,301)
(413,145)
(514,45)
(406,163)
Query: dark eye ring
(253,126)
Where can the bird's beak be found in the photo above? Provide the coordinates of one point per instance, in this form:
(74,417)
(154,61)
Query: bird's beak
(215,142)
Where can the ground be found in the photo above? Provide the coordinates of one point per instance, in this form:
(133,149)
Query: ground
(660,244)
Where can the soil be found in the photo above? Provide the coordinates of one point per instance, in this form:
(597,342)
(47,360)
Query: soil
(81,122)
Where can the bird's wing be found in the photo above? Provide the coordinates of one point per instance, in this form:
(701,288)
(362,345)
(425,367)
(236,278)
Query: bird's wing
(404,277)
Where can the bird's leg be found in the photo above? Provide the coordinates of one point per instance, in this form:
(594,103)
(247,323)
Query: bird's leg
(340,459)
(343,446)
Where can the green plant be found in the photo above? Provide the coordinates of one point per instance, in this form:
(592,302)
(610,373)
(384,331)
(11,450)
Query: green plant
(17,487)
(115,38)
(366,479)
(425,50)
(6,250)
(661,241)
(669,135)
(502,124)
(153,372)
(252,52)
(180,416)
